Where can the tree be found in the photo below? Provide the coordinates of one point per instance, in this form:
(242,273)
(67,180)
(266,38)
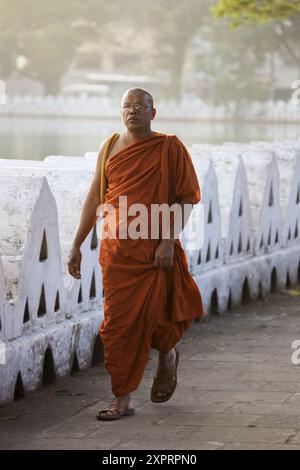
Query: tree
(229,63)
(283,15)
(256,10)
(48,34)
(174,24)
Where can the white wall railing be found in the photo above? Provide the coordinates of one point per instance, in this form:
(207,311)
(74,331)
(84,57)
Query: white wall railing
(50,321)
(104,107)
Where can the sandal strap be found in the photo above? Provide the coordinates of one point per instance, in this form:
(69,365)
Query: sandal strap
(163,380)
(110,409)
(167,374)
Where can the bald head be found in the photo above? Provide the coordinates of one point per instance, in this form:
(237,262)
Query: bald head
(139,92)
(137,110)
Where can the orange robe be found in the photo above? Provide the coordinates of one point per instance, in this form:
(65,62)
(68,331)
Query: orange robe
(144,306)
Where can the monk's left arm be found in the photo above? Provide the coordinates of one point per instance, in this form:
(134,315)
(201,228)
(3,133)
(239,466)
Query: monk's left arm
(164,252)
(183,215)
(187,192)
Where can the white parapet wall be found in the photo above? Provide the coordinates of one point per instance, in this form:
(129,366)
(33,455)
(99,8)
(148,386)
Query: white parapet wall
(49,321)
(105,107)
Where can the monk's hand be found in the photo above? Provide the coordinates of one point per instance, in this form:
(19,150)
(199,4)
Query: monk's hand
(164,254)
(74,262)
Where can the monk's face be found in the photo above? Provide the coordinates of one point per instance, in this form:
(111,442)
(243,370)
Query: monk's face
(137,111)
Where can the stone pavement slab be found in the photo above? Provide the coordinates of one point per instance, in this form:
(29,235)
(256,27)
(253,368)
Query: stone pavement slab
(237,389)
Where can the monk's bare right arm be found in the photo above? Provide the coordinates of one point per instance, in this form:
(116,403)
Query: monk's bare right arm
(88,219)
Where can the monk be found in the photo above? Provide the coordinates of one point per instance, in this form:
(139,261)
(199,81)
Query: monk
(150,298)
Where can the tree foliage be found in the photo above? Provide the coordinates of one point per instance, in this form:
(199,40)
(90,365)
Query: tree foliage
(55,35)
(174,24)
(230,61)
(242,11)
(282,15)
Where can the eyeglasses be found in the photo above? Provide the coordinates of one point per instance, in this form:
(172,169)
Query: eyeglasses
(135,106)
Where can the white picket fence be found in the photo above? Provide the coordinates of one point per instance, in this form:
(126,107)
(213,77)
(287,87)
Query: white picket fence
(49,321)
(104,107)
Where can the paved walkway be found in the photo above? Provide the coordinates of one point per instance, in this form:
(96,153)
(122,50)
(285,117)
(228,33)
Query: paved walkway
(237,389)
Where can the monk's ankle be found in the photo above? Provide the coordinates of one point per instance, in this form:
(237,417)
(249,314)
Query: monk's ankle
(167,360)
(125,398)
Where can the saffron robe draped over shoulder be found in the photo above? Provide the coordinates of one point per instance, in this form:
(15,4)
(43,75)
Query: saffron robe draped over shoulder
(144,306)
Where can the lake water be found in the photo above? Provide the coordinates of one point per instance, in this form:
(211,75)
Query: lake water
(35,138)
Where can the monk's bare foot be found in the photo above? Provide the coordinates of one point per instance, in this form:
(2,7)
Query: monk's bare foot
(166,361)
(119,403)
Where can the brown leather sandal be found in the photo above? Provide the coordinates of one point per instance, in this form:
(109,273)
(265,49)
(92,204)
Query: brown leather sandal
(169,376)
